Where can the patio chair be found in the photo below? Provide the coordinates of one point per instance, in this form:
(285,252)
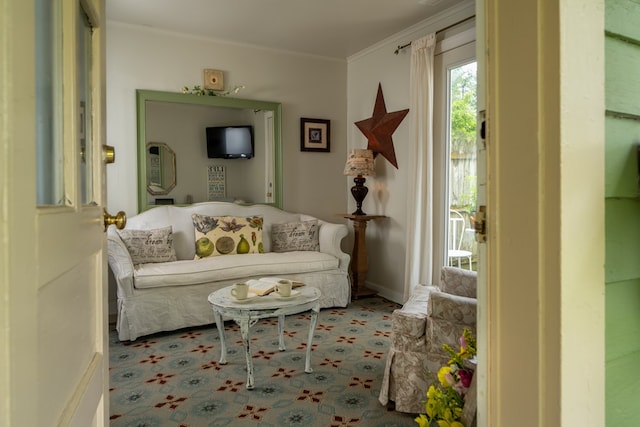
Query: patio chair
(457,228)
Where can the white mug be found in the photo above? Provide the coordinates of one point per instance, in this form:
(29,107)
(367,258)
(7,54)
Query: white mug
(283,287)
(240,290)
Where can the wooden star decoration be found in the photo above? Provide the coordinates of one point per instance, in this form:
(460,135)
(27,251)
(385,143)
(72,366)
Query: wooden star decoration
(379,128)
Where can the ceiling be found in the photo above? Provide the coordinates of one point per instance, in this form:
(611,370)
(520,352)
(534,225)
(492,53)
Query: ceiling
(330,28)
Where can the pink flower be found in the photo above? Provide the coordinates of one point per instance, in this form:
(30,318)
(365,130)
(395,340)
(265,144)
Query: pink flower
(450,379)
(465,377)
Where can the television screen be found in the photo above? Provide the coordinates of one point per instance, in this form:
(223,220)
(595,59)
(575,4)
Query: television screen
(230,142)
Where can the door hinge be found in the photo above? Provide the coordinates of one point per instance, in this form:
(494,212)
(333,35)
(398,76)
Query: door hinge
(480,224)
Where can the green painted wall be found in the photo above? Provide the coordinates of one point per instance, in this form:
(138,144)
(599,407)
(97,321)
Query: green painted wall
(622,204)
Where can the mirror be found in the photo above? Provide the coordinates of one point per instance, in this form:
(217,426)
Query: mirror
(179,121)
(161,168)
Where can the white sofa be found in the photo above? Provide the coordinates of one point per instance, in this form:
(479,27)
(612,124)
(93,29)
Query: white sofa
(165,296)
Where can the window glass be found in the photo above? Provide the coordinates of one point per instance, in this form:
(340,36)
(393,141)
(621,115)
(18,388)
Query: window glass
(48,105)
(462,165)
(85,139)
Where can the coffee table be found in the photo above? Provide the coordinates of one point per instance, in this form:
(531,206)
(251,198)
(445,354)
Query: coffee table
(247,312)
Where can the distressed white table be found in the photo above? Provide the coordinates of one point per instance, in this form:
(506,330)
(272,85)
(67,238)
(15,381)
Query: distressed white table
(247,313)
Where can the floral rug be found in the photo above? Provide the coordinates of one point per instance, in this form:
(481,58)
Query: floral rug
(174,379)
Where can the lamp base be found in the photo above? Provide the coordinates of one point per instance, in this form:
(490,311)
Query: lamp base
(359,192)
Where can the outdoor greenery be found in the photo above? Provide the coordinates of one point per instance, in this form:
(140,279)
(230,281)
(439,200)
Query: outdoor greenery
(463,108)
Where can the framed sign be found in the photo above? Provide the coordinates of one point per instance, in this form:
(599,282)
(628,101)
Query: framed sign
(216,182)
(315,135)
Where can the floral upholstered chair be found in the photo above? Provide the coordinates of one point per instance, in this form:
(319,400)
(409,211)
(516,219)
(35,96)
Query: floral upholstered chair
(430,318)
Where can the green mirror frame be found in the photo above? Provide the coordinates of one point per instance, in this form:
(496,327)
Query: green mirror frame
(142,96)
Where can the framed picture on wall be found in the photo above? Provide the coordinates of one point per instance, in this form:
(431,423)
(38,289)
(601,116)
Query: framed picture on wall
(216,182)
(315,135)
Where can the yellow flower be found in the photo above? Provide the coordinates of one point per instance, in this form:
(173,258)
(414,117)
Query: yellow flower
(422,420)
(431,408)
(442,376)
(444,423)
(431,393)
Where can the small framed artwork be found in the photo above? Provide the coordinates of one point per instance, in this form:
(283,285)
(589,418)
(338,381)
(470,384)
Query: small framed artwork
(315,135)
(213,79)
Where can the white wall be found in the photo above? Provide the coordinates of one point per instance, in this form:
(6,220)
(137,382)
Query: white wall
(307,86)
(387,190)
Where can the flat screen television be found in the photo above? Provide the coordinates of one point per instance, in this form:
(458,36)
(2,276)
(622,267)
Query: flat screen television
(230,142)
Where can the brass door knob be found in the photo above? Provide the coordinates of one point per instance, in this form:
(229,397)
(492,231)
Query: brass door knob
(108,154)
(119,220)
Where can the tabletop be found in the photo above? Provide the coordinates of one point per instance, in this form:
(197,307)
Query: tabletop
(300,296)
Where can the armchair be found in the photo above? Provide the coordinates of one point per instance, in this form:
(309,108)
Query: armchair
(431,317)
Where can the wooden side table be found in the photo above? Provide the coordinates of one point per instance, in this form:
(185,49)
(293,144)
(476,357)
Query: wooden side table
(359,263)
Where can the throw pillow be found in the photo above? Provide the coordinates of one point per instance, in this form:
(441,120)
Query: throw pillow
(147,246)
(222,235)
(295,236)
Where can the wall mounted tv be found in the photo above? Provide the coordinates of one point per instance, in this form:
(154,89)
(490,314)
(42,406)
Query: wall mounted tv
(230,142)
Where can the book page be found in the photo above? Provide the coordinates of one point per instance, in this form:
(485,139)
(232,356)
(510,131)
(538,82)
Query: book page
(260,286)
(265,285)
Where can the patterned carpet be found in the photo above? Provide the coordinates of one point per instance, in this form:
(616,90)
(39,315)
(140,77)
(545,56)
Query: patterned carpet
(174,379)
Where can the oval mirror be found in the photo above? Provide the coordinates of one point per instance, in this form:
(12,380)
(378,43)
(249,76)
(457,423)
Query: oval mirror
(161,168)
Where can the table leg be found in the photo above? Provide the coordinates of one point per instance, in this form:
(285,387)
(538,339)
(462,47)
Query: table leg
(312,328)
(281,346)
(359,263)
(223,345)
(244,330)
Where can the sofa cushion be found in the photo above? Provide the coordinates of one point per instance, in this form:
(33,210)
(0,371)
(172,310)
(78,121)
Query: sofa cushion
(456,281)
(148,246)
(223,235)
(295,236)
(216,269)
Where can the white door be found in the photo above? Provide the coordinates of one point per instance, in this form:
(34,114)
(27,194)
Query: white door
(455,149)
(53,313)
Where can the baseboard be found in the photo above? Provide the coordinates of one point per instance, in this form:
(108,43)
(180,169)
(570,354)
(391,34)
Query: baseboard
(396,297)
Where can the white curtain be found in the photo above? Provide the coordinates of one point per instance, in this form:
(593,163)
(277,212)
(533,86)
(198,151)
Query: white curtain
(419,250)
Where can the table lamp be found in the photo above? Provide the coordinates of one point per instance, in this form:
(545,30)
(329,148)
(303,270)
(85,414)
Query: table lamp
(359,164)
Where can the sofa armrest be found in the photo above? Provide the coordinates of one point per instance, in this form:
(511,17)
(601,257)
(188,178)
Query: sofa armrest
(410,320)
(120,263)
(330,237)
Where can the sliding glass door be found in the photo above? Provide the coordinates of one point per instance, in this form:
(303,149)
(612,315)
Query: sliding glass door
(455,153)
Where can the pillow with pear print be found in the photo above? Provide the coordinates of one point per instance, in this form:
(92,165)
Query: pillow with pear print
(227,235)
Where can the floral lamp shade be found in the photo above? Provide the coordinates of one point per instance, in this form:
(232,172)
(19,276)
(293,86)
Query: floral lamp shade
(360,162)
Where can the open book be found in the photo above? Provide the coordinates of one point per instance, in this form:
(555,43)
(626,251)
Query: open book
(266,285)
